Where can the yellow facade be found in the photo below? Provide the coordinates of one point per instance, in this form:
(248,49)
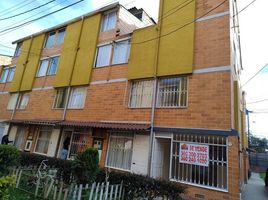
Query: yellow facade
(176,45)
(21,64)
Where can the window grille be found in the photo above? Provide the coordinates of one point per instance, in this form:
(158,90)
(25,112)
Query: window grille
(120,151)
(80,142)
(172,92)
(213,176)
(141,94)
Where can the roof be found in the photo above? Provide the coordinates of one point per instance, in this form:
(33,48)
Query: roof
(102,9)
(86,124)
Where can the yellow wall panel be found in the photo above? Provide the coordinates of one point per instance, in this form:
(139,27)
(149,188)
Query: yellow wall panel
(1,69)
(87,48)
(15,85)
(67,57)
(33,62)
(142,56)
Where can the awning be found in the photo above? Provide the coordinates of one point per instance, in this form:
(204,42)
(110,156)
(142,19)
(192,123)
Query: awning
(34,122)
(107,125)
(84,124)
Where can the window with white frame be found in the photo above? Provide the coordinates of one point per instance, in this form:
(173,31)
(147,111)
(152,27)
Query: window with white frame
(79,143)
(18,50)
(77,97)
(120,49)
(141,94)
(7,74)
(214,174)
(48,66)
(121,52)
(60,98)
(120,151)
(43,140)
(23,101)
(19,139)
(12,101)
(172,92)
(55,38)
(108,21)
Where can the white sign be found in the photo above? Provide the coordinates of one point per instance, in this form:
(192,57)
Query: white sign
(194,154)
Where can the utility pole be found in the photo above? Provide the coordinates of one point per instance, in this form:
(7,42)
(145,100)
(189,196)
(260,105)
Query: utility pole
(247,113)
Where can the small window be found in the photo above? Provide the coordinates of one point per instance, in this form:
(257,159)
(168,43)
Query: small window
(18,50)
(43,140)
(103,55)
(79,143)
(19,139)
(4,75)
(48,66)
(141,94)
(11,74)
(172,92)
(55,38)
(61,97)
(120,151)
(121,52)
(77,98)
(12,101)
(23,101)
(109,21)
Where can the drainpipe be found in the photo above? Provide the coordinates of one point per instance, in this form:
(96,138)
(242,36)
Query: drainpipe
(69,85)
(152,135)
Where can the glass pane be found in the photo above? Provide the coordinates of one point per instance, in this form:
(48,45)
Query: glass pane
(53,66)
(11,74)
(19,138)
(103,55)
(60,100)
(24,101)
(141,94)
(12,101)
(77,98)
(43,68)
(121,52)
(109,21)
(50,40)
(18,49)
(4,75)
(43,141)
(61,35)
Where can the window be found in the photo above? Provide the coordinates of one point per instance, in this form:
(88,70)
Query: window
(43,140)
(77,97)
(214,175)
(79,143)
(108,21)
(172,92)
(19,139)
(11,73)
(61,97)
(18,50)
(55,38)
(103,55)
(120,151)
(4,75)
(12,101)
(121,52)
(48,66)
(141,94)
(7,74)
(23,101)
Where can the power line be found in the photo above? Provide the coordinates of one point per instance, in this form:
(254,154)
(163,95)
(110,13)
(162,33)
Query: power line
(31,21)
(17,7)
(245,7)
(27,11)
(259,101)
(266,65)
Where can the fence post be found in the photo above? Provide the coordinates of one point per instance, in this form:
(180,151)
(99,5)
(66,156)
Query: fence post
(80,192)
(111,192)
(97,190)
(37,187)
(18,180)
(92,190)
(106,191)
(116,190)
(101,191)
(60,191)
(120,190)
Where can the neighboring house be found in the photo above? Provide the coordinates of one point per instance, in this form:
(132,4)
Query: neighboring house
(5,61)
(156,99)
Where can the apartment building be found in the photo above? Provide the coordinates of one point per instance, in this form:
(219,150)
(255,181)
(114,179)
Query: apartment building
(160,99)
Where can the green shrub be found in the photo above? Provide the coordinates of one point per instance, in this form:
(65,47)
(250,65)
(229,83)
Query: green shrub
(64,167)
(138,186)
(86,165)
(9,156)
(6,182)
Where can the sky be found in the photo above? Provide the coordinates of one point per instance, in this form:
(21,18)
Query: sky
(253,27)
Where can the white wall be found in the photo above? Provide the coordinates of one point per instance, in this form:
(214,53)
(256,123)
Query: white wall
(140,154)
(53,142)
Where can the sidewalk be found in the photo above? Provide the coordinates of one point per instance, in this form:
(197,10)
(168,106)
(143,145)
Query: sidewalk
(255,189)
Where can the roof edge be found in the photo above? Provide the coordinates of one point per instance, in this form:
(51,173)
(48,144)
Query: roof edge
(101,9)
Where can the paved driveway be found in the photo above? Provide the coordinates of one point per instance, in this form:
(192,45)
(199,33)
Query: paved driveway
(255,189)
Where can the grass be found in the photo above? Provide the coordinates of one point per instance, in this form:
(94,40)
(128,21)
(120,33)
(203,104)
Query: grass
(16,194)
(262,175)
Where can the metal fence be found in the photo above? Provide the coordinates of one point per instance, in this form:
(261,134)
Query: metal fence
(258,161)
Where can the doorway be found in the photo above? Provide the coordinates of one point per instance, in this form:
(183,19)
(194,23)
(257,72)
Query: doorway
(161,158)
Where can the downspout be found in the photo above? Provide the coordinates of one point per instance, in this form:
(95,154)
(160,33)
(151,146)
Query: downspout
(69,84)
(151,141)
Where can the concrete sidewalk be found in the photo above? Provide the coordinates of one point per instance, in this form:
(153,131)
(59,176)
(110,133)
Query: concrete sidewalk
(255,189)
